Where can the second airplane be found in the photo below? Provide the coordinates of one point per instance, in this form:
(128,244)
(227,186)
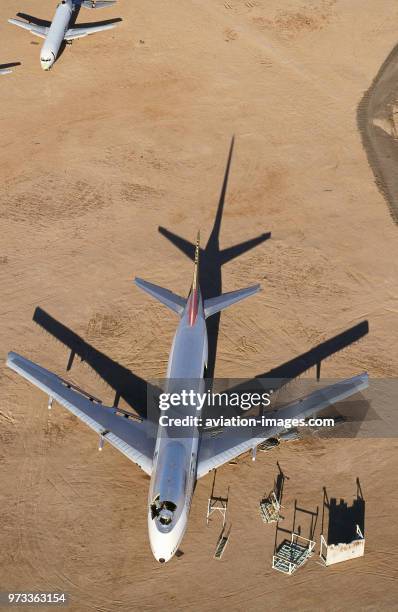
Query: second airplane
(59,31)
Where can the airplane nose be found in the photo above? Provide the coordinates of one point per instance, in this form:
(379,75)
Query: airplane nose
(163,544)
(163,555)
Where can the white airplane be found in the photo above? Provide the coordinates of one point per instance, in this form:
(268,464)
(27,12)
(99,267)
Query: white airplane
(59,31)
(5,71)
(175,458)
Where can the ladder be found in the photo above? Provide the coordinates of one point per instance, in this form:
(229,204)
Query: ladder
(222,543)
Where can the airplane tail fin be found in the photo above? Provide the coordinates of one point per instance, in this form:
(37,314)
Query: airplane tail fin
(166,297)
(195,281)
(216,304)
(193,299)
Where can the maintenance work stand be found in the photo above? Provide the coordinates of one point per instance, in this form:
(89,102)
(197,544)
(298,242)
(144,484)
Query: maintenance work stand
(292,555)
(269,508)
(271,504)
(342,539)
(219,504)
(294,552)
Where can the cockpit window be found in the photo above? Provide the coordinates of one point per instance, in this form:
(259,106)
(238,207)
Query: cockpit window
(163,510)
(165,516)
(170,506)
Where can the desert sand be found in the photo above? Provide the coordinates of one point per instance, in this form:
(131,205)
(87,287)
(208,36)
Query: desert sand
(131,131)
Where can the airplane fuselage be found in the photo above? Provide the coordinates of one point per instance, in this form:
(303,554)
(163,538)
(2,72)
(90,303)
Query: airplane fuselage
(176,451)
(56,34)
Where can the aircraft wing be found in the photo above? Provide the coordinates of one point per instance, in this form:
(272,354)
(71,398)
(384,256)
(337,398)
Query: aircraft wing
(5,71)
(215,450)
(38,30)
(74,33)
(134,439)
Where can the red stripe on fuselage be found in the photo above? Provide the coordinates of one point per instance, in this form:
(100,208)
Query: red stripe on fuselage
(193,307)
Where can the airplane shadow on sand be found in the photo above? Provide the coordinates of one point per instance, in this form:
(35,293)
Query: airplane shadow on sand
(132,388)
(127,385)
(212,258)
(376,123)
(9,65)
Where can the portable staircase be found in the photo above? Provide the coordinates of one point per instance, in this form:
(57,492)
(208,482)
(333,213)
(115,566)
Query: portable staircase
(292,555)
(222,543)
(217,504)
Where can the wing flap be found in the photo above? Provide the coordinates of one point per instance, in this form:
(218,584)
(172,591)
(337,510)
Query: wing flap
(217,450)
(135,440)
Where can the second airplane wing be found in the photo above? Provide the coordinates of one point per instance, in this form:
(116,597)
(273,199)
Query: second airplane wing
(74,33)
(38,30)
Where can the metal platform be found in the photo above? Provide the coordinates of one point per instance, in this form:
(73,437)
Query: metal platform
(336,553)
(342,534)
(292,555)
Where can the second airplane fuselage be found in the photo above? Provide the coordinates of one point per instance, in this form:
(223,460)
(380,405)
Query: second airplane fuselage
(56,34)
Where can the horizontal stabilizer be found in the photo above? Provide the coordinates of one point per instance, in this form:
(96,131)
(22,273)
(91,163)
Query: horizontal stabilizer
(92,4)
(220,302)
(166,297)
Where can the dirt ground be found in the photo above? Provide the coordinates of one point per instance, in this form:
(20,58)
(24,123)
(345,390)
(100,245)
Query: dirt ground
(131,131)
